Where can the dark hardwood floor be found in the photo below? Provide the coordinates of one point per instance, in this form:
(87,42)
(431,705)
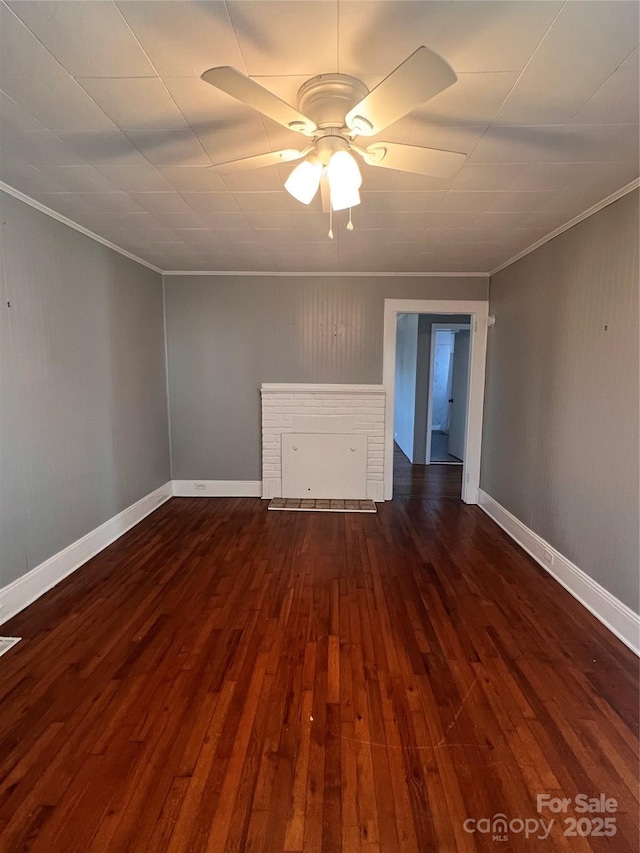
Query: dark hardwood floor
(225,678)
(426,481)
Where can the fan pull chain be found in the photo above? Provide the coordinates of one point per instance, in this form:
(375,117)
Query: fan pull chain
(349,223)
(330,235)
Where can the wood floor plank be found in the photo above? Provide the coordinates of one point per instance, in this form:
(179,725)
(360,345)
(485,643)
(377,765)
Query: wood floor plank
(223,679)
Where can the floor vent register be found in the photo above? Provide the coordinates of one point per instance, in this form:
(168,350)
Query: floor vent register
(321,505)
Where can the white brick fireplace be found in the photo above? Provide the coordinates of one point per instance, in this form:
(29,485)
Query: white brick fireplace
(332,413)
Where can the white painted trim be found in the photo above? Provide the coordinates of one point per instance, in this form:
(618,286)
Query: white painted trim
(76,227)
(316,388)
(166,374)
(605,202)
(608,609)
(27,588)
(435,327)
(632,185)
(479,311)
(217,488)
(332,274)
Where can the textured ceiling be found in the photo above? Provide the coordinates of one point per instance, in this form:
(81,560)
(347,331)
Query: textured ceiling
(103,118)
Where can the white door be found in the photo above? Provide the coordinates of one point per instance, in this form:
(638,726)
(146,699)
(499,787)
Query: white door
(459,390)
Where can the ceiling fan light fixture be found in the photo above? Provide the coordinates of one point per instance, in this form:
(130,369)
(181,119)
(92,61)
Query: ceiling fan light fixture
(343,169)
(304,181)
(344,197)
(344,180)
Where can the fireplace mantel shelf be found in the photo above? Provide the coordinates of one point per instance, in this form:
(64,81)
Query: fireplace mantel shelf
(316,388)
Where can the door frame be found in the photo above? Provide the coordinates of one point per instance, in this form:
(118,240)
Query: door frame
(442,327)
(478,310)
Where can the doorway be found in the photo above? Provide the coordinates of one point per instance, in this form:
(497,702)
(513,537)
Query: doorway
(475,314)
(447,393)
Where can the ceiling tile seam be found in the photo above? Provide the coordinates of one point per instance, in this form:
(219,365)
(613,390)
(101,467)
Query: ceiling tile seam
(605,202)
(56,133)
(32,117)
(245,71)
(536,49)
(515,83)
(604,82)
(164,86)
(235,35)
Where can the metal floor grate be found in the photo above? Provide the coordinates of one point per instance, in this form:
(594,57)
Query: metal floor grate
(321,505)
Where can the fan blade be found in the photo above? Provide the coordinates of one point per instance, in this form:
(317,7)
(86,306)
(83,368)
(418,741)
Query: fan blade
(241,87)
(411,158)
(271,158)
(420,77)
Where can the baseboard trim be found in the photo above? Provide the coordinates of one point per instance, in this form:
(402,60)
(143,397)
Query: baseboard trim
(217,488)
(26,589)
(608,609)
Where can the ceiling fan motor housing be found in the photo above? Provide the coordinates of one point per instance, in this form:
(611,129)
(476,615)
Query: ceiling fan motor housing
(327,99)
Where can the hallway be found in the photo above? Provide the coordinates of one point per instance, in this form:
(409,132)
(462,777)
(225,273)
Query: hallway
(426,481)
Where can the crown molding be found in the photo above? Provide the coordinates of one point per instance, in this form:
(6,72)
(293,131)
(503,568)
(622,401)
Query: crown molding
(76,227)
(605,202)
(321,274)
(54,215)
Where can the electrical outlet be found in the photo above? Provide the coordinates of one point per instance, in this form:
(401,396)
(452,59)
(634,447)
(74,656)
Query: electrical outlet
(200,486)
(547,556)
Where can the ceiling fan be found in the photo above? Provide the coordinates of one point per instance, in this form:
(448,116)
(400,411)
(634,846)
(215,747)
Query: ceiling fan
(334,110)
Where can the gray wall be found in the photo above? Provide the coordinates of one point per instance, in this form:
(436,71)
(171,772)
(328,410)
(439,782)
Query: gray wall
(83,412)
(404,412)
(228,334)
(561,409)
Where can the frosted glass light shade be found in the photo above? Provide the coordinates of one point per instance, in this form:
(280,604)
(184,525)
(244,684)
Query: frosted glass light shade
(344,197)
(304,181)
(344,180)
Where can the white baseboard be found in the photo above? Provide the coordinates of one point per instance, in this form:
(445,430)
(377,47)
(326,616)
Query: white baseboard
(217,488)
(25,589)
(616,616)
